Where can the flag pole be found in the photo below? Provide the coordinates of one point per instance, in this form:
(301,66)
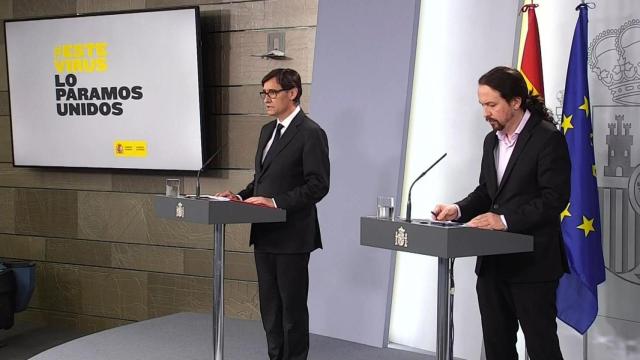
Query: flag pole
(585,336)
(516,38)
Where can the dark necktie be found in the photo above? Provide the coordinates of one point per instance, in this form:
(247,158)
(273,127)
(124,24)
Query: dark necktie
(275,139)
(278,133)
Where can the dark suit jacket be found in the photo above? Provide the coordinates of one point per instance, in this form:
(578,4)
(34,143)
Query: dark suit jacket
(296,174)
(535,188)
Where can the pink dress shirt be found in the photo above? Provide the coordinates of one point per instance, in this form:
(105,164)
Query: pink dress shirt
(502,154)
(505,147)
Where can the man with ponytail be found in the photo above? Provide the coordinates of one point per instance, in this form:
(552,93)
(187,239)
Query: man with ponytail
(524,186)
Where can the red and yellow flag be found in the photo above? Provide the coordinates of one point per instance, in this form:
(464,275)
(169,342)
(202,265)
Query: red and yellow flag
(531,58)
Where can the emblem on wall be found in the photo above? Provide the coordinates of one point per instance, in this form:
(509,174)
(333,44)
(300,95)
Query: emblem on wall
(614,57)
(401,238)
(180,211)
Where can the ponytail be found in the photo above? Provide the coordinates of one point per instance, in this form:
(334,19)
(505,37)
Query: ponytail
(535,105)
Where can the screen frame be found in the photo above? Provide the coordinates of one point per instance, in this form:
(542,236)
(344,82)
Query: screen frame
(201,108)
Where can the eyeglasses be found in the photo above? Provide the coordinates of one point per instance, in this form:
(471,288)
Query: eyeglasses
(271,93)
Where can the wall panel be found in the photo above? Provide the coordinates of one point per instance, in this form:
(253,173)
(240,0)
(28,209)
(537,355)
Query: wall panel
(238,64)
(46,212)
(7,210)
(42,178)
(241,299)
(198,262)
(114,216)
(237,237)
(113,293)
(22,247)
(141,183)
(148,258)
(170,3)
(37,8)
(240,266)
(79,252)
(4,81)
(240,133)
(92,6)
(130,218)
(362,73)
(4,99)
(6,12)
(256,15)
(5,140)
(169,294)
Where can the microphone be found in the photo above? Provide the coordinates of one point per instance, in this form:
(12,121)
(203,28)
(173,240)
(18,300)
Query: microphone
(209,160)
(408,212)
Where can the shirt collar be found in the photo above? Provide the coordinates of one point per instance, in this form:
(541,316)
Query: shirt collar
(504,137)
(285,123)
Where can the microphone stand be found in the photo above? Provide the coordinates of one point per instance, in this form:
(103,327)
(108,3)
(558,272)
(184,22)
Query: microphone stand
(202,170)
(408,209)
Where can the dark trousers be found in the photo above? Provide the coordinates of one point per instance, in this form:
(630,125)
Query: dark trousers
(283,286)
(533,305)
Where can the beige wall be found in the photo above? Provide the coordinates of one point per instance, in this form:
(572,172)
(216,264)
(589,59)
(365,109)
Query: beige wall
(103,257)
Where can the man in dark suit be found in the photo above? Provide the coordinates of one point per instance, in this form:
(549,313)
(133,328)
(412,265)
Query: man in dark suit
(291,173)
(524,186)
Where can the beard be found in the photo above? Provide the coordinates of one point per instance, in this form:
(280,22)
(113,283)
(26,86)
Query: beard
(495,124)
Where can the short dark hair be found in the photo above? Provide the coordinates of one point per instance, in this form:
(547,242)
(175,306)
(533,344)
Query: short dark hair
(510,84)
(287,78)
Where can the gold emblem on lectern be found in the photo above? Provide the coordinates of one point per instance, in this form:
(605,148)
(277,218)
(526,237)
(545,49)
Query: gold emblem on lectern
(401,237)
(180,211)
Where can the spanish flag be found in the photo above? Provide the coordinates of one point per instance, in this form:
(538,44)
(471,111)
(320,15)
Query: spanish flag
(530,55)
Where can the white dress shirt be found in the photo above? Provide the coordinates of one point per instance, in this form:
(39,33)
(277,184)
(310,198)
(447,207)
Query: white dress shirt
(285,124)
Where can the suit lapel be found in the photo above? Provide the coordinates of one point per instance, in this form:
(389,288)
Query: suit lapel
(262,143)
(523,138)
(287,136)
(492,177)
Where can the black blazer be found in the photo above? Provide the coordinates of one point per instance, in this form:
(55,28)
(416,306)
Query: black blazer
(296,174)
(535,189)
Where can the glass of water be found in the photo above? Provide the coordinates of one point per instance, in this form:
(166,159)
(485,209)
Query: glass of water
(386,206)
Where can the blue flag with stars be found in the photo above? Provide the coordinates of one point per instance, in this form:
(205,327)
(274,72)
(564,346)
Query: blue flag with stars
(577,296)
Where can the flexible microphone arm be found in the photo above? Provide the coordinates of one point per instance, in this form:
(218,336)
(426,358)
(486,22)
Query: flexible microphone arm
(408,212)
(203,168)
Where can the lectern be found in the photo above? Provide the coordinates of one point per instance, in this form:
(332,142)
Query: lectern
(446,241)
(218,213)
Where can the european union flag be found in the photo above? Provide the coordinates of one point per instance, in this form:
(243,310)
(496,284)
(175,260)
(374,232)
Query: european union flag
(577,300)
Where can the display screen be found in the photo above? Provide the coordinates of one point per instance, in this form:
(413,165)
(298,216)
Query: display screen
(106,91)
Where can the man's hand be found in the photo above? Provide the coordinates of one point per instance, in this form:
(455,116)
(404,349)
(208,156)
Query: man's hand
(488,221)
(259,200)
(445,212)
(229,195)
